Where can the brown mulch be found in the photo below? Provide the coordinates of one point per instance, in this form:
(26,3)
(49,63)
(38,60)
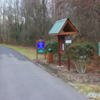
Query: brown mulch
(90,77)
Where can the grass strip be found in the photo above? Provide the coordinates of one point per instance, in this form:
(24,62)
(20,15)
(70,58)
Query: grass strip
(26,52)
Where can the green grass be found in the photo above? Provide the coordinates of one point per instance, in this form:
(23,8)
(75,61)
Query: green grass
(78,82)
(28,53)
(66,81)
(85,88)
(47,68)
(99,70)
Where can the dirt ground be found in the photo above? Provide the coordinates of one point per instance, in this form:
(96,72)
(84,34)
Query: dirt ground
(90,77)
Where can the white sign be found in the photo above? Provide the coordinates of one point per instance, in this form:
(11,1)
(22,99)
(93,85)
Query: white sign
(62,46)
(68,41)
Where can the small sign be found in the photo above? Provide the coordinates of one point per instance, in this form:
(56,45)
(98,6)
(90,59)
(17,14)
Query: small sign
(99,48)
(40,50)
(68,40)
(63,47)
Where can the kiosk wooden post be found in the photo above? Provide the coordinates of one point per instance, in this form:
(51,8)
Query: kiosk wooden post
(63,28)
(59,55)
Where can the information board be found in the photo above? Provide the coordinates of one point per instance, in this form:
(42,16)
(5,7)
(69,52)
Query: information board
(40,47)
(68,40)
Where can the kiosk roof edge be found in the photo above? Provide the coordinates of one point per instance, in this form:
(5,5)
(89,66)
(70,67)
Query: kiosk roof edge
(58,26)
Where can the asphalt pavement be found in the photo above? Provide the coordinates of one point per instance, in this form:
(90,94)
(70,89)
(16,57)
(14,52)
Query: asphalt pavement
(21,79)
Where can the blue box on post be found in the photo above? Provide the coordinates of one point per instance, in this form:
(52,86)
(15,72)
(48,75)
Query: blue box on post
(40,45)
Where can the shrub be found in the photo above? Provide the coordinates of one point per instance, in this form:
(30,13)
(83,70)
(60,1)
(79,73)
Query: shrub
(63,57)
(47,46)
(80,53)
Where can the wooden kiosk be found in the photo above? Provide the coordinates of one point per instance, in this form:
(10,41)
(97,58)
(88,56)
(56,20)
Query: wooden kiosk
(63,28)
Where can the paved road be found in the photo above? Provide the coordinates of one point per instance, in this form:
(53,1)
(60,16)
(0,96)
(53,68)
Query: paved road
(21,79)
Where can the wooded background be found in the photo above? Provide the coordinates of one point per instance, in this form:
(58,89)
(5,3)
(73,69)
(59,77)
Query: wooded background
(24,21)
